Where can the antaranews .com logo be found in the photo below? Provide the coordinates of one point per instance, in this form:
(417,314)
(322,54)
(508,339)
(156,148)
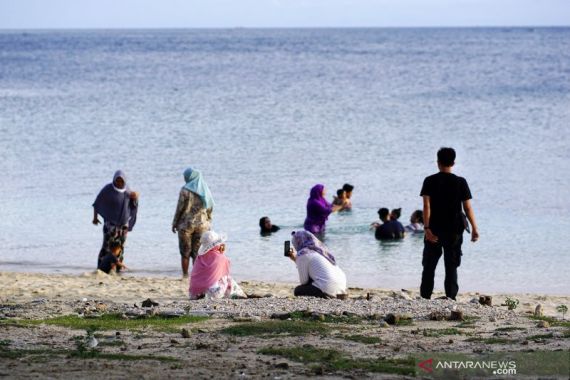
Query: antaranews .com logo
(495,367)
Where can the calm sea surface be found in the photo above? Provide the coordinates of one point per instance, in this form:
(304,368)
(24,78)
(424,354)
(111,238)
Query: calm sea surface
(265,115)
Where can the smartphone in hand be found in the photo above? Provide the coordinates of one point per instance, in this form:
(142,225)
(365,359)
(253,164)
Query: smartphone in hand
(287,248)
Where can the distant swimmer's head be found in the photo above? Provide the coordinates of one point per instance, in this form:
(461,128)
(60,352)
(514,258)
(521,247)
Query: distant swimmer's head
(396,213)
(383,214)
(341,194)
(417,217)
(446,157)
(348,189)
(265,224)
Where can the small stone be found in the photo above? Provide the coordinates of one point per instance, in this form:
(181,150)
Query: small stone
(525,343)
(185,333)
(319,371)
(118,333)
(474,300)
(450,341)
(384,324)
(174,341)
(318,317)
(281,316)
(543,324)
(492,319)
(538,311)
(282,365)
(456,315)
(392,319)
(92,342)
(149,303)
(486,300)
(171,314)
(101,307)
(436,316)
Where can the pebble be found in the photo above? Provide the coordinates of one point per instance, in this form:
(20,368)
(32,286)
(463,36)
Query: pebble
(92,342)
(384,324)
(392,319)
(543,324)
(185,333)
(538,311)
(456,315)
(149,303)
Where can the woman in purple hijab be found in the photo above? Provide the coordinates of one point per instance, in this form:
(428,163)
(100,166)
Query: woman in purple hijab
(118,205)
(318,210)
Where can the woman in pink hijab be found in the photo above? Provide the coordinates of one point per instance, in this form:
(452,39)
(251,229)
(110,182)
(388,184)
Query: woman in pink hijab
(210,277)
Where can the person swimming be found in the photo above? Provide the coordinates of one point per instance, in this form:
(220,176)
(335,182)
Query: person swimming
(266,227)
(416,222)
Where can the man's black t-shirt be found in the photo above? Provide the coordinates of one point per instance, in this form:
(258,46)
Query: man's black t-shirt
(447,192)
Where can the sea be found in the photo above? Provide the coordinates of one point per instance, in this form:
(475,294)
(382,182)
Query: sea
(265,114)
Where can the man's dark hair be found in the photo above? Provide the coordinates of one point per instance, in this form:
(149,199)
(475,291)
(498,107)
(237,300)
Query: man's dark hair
(339,192)
(446,156)
(347,187)
(262,222)
(383,213)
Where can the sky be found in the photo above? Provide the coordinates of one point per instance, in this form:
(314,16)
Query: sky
(62,14)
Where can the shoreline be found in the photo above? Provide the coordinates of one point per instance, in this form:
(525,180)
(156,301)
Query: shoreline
(25,286)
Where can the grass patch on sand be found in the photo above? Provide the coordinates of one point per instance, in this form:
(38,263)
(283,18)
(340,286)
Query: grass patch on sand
(441,332)
(333,360)
(272,328)
(552,321)
(114,322)
(511,328)
(405,322)
(93,354)
(111,343)
(540,337)
(304,315)
(491,340)
(362,339)
(468,322)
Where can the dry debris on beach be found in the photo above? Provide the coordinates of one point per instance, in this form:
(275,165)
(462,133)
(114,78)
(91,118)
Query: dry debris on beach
(92,326)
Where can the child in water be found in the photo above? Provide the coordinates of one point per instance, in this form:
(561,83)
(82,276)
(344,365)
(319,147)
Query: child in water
(416,222)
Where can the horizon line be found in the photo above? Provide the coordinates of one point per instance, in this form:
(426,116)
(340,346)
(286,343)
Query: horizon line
(286,27)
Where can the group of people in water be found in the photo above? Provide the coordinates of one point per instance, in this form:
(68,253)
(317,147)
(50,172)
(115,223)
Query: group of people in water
(445,197)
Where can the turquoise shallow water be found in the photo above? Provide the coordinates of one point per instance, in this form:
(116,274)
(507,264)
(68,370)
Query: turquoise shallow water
(266,114)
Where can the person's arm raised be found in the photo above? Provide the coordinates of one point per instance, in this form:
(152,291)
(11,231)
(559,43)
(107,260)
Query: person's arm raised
(471,216)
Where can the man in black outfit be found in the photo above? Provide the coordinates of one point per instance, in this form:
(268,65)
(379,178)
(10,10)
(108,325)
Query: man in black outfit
(444,194)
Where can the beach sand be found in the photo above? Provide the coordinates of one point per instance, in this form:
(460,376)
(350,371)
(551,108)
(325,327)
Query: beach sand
(355,328)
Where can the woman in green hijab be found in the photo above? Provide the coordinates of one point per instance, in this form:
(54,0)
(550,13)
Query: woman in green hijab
(193,216)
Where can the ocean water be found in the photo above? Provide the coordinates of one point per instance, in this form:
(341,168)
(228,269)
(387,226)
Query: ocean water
(266,114)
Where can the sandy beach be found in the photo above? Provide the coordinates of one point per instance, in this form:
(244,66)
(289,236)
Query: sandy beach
(49,323)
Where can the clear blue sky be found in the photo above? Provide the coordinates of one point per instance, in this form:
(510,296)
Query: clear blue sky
(16,14)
